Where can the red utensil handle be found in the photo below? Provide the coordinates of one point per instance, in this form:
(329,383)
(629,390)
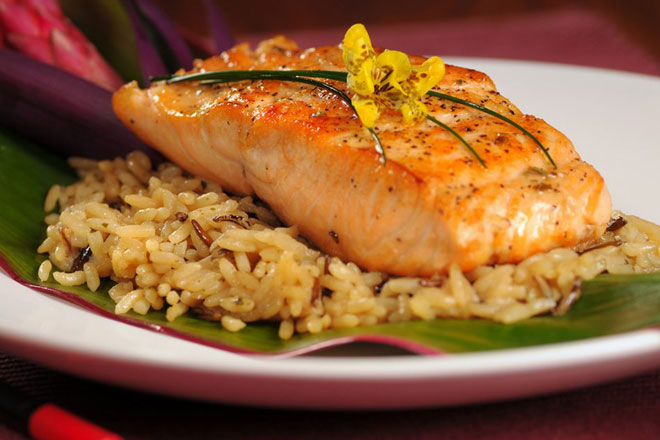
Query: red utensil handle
(50,422)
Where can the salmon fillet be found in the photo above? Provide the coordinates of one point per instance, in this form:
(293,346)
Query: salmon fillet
(302,150)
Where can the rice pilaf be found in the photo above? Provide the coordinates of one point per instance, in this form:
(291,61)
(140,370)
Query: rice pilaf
(173,242)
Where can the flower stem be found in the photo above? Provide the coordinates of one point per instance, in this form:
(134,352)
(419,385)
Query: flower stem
(379,146)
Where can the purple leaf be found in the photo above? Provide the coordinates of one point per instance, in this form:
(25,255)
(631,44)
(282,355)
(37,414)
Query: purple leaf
(168,31)
(61,111)
(221,34)
(150,61)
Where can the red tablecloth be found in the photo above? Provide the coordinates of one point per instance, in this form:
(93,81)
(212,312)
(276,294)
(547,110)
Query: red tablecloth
(628,409)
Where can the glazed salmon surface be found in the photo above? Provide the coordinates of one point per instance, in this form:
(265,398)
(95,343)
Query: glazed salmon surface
(302,150)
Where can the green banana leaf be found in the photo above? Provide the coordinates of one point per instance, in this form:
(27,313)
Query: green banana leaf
(609,304)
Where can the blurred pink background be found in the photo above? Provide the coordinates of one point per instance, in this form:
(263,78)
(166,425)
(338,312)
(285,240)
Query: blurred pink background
(604,33)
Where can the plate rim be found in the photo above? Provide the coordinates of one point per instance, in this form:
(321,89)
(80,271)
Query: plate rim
(605,349)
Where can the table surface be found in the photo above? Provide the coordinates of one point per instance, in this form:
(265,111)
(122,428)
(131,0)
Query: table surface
(627,409)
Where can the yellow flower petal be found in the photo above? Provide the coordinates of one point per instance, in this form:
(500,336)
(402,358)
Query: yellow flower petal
(367,110)
(362,82)
(393,67)
(357,48)
(387,80)
(427,75)
(413,111)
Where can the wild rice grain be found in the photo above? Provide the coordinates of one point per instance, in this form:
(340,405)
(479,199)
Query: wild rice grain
(91,276)
(172,298)
(163,289)
(141,306)
(232,324)
(127,301)
(136,231)
(286,329)
(44,270)
(52,197)
(175,311)
(70,279)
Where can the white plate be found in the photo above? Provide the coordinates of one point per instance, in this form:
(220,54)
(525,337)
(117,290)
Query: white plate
(612,119)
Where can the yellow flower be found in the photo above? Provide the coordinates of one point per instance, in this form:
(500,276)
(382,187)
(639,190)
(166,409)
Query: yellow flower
(388,80)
